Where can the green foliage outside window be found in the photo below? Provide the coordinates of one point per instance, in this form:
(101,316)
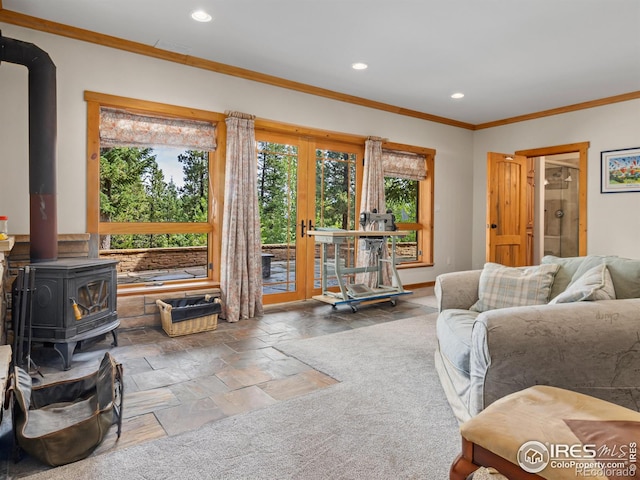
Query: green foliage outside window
(401,197)
(133,189)
(277,192)
(335,190)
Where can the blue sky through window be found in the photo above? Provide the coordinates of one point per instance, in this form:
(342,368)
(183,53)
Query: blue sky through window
(167,158)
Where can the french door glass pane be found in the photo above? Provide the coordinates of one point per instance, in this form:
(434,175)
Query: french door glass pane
(335,204)
(277,198)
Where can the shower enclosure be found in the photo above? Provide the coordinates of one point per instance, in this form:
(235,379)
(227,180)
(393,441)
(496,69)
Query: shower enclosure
(561,209)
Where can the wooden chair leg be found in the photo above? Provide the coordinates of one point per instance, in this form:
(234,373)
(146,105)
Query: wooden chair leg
(474,456)
(463,465)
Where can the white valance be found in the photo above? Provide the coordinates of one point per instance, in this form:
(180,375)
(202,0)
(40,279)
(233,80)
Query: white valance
(119,128)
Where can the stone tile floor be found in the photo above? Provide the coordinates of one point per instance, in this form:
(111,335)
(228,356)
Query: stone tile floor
(177,384)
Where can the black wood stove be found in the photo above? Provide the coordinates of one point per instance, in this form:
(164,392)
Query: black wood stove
(73,300)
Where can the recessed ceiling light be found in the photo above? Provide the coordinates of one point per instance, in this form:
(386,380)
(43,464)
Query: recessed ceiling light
(201,16)
(359,66)
(457,95)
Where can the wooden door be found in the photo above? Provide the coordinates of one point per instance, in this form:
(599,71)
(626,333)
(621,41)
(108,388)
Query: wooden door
(506,209)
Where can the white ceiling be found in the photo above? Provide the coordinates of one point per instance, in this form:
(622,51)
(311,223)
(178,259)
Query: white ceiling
(509,57)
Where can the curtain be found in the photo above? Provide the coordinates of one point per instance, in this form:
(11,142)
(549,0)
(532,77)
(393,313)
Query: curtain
(241,267)
(119,128)
(372,199)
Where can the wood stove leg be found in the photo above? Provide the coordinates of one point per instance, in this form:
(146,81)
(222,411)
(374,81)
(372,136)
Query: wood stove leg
(114,332)
(66,352)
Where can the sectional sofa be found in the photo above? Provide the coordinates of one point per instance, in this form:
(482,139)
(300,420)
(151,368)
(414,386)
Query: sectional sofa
(572,323)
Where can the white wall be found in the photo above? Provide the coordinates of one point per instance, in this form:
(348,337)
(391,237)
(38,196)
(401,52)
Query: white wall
(83,66)
(613,220)
(460,181)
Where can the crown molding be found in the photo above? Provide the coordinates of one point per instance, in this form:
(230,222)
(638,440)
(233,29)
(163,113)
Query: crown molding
(560,110)
(34,23)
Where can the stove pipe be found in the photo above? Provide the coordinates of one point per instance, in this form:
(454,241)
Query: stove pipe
(42,145)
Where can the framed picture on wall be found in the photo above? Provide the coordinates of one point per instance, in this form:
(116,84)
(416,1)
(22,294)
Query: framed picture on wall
(620,170)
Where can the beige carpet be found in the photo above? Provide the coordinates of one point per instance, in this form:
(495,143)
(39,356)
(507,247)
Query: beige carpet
(386,419)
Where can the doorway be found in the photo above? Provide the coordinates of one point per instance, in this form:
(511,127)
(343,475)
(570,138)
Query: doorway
(516,222)
(558,208)
(303,184)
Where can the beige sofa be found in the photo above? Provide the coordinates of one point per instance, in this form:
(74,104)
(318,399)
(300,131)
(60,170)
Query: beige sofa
(592,347)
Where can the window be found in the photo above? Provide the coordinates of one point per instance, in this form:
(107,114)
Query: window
(151,193)
(159,194)
(409,195)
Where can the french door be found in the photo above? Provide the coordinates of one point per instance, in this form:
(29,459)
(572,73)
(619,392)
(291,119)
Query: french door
(303,184)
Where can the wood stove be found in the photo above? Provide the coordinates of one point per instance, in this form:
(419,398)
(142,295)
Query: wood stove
(74,299)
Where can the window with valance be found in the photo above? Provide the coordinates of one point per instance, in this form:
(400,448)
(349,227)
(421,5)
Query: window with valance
(152,188)
(409,194)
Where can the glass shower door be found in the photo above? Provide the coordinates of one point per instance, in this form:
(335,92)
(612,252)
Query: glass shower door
(561,210)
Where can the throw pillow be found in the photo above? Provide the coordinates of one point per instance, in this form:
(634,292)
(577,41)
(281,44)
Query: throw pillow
(502,287)
(566,273)
(594,284)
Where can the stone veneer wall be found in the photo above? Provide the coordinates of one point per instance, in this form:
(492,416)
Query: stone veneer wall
(69,246)
(140,259)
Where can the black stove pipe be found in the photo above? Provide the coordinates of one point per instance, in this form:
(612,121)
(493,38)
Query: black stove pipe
(42,145)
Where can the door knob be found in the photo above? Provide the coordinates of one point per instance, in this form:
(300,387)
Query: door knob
(493,225)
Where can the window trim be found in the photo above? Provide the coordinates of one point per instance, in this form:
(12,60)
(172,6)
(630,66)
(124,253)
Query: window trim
(216,168)
(425,206)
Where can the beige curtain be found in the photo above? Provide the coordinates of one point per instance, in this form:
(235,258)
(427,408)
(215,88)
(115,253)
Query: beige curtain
(241,267)
(372,199)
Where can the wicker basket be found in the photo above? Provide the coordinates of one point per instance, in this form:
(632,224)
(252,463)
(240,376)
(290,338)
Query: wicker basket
(182,316)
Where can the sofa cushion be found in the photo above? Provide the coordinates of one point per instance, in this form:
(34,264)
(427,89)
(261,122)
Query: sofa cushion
(625,272)
(565,275)
(502,287)
(594,284)
(453,328)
